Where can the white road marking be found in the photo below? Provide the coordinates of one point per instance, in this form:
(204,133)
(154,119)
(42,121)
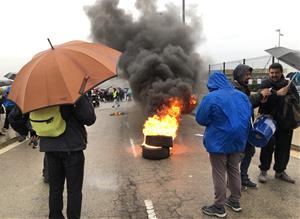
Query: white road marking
(150,209)
(9,147)
(133,147)
(200,135)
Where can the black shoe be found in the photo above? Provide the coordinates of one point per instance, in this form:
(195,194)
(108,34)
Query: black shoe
(21,138)
(213,210)
(235,206)
(283,176)
(249,183)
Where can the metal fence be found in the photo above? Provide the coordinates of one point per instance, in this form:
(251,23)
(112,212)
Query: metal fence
(260,67)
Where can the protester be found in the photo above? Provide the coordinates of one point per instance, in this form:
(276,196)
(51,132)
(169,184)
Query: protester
(116,97)
(9,105)
(280,143)
(226,113)
(241,75)
(2,110)
(65,157)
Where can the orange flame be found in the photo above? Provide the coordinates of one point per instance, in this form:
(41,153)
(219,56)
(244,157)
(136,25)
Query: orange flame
(166,120)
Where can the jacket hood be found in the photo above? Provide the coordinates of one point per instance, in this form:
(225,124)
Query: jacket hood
(217,80)
(240,71)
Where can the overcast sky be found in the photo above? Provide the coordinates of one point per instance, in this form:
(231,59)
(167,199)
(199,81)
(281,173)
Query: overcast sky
(233,29)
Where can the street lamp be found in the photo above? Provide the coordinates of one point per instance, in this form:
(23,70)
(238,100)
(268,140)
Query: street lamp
(183,11)
(279,35)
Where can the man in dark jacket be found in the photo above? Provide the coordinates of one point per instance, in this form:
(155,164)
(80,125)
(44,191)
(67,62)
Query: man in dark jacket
(241,75)
(65,156)
(281,140)
(225,138)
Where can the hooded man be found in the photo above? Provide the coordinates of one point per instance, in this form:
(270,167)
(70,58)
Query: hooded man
(241,75)
(226,114)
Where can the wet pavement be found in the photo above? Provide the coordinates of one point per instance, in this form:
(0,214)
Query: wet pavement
(119,183)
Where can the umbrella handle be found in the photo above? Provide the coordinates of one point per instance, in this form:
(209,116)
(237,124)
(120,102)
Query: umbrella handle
(83,84)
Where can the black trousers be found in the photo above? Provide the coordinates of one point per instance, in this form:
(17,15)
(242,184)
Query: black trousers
(69,166)
(6,123)
(280,143)
(246,160)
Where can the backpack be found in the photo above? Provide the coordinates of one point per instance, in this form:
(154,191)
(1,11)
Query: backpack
(47,122)
(288,116)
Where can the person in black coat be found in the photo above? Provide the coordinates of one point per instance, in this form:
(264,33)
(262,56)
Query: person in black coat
(65,155)
(241,75)
(280,143)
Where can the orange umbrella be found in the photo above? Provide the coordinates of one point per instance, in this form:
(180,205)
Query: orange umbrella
(62,74)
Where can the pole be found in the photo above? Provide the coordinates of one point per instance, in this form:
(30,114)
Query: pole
(279,38)
(183,11)
(279,35)
(50,44)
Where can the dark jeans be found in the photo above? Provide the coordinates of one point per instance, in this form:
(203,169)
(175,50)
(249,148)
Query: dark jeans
(45,167)
(6,123)
(69,166)
(246,160)
(280,143)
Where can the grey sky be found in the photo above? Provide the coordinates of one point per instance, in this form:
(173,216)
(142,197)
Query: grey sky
(233,29)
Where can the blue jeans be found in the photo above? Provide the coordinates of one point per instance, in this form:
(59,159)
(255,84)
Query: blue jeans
(245,163)
(69,166)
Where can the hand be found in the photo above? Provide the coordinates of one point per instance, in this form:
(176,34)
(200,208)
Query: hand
(283,91)
(264,99)
(265,93)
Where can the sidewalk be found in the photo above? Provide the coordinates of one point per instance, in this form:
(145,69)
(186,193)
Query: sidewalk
(9,136)
(296,139)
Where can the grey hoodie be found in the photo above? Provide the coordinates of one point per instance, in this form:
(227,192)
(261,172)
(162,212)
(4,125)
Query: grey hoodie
(240,71)
(238,74)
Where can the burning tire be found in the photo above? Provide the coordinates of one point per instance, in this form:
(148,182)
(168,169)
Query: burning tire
(155,153)
(157,147)
(159,140)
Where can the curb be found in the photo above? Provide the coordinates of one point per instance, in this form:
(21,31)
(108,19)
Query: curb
(8,142)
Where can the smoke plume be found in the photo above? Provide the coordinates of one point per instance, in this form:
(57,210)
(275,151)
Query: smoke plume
(159,58)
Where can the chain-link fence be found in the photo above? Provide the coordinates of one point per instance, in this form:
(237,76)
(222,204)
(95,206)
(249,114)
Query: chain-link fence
(260,67)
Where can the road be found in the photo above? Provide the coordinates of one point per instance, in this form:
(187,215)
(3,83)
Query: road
(119,183)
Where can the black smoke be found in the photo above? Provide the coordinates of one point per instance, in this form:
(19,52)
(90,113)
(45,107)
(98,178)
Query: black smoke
(159,58)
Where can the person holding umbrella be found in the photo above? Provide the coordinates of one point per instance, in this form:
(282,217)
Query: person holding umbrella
(52,89)
(280,143)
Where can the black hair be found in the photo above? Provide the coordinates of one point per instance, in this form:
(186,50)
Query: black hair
(276,66)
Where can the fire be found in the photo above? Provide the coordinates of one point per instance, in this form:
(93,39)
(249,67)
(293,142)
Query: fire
(166,120)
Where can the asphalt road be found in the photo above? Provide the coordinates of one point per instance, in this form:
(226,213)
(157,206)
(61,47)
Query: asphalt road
(119,183)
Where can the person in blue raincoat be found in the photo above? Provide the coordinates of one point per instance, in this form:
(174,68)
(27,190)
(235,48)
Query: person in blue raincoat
(226,114)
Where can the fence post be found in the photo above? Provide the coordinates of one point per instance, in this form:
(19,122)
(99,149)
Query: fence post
(244,61)
(209,69)
(224,67)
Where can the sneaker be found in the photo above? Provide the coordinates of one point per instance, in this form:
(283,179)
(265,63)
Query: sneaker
(213,210)
(235,206)
(283,176)
(249,183)
(244,188)
(21,138)
(262,178)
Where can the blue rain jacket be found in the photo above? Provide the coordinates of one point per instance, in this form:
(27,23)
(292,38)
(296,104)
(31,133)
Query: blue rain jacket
(226,113)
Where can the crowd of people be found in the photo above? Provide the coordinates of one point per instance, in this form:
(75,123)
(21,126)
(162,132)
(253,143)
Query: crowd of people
(226,112)
(111,94)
